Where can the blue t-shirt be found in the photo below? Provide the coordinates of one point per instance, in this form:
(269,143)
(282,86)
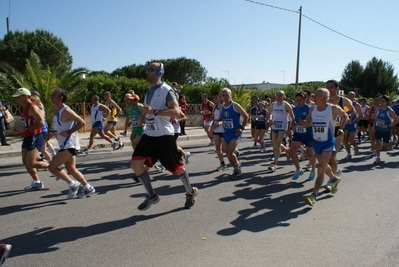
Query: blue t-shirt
(301,114)
(230,118)
(261,113)
(396,109)
(383,118)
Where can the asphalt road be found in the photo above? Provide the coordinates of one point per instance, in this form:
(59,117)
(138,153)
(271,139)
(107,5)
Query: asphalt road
(257,220)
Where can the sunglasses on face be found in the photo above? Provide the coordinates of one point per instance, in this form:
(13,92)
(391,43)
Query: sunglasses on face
(149,69)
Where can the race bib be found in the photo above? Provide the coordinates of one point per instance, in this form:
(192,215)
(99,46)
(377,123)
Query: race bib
(135,123)
(320,132)
(228,124)
(300,129)
(379,123)
(23,122)
(150,124)
(278,125)
(205,111)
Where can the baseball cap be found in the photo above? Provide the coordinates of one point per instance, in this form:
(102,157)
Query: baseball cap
(132,96)
(21,91)
(35,93)
(262,103)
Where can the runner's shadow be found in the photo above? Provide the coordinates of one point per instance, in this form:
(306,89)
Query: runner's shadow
(44,240)
(25,207)
(277,213)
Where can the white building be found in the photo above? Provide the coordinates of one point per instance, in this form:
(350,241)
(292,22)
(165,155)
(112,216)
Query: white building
(265,86)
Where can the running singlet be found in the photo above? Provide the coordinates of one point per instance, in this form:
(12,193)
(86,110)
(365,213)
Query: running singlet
(72,140)
(279,117)
(206,110)
(383,118)
(134,114)
(230,118)
(253,110)
(301,114)
(322,124)
(27,121)
(216,114)
(373,111)
(112,115)
(261,122)
(96,114)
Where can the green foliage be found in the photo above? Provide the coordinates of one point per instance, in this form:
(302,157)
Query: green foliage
(242,96)
(16,47)
(377,77)
(181,70)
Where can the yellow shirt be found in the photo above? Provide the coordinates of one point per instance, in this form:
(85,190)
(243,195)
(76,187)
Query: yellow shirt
(112,115)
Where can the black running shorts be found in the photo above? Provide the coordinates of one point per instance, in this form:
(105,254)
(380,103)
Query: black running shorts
(162,148)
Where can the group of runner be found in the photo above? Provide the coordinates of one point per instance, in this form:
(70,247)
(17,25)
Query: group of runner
(316,129)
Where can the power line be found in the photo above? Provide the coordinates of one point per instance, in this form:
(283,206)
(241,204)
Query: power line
(328,28)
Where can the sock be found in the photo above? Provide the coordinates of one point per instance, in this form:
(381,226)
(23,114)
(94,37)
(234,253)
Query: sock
(333,180)
(51,150)
(314,195)
(73,183)
(186,182)
(359,135)
(37,182)
(222,163)
(144,179)
(117,139)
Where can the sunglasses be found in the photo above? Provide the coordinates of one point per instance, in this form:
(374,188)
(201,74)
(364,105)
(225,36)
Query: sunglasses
(149,69)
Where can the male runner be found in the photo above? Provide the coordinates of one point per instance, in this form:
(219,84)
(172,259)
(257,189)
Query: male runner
(98,112)
(66,124)
(321,118)
(230,119)
(32,122)
(206,111)
(158,141)
(280,111)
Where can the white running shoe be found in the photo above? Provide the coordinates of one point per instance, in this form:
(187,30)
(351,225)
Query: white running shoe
(187,157)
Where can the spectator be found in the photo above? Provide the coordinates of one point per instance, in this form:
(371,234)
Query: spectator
(3,123)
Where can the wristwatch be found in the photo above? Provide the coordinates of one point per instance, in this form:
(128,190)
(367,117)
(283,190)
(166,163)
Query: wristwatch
(156,112)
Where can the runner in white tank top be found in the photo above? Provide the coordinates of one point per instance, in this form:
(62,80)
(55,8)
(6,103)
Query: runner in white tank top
(66,125)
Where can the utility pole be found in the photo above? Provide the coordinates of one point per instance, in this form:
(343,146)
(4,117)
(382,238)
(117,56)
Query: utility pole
(298,51)
(8,25)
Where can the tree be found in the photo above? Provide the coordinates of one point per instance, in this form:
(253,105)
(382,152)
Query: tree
(378,77)
(181,70)
(16,47)
(352,76)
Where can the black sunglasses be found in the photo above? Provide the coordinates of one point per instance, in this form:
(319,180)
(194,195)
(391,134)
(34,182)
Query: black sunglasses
(150,69)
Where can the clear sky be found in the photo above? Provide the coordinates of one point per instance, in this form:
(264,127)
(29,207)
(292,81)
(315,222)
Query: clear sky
(233,39)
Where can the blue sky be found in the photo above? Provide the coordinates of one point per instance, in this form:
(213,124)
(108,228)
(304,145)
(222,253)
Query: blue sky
(232,39)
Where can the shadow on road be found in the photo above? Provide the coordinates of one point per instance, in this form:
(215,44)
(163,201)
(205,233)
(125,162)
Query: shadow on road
(44,240)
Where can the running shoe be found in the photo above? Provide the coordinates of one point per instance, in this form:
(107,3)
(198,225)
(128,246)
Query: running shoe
(123,133)
(211,143)
(187,157)
(262,150)
(86,192)
(341,148)
(117,139)
(373,154)
(338,172)
(312,175)
(254,147)
(149,201)
(222,167)
(85,151)
(308,167)
(271,158)
(114,145)
(310,200)
(4,252)
(328,186)
(273,167)
(120,146)
(159,168)
(297,174)
(348,157)
(377,160)
(236,173)
(190,198)
(356,149)
(73,189)
(34,186)
(334,186)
